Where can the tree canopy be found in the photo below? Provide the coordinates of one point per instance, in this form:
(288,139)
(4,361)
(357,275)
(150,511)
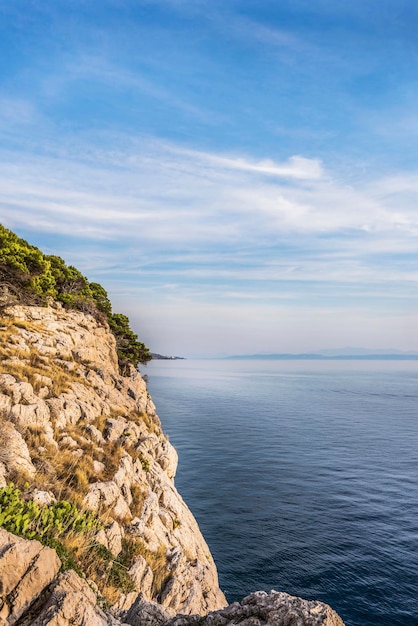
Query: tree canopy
(30,277)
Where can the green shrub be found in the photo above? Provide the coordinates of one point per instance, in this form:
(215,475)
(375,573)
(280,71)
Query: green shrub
(31,277)
(27,519)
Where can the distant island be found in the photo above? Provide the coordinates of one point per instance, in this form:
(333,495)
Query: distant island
(162,357)
(345,354)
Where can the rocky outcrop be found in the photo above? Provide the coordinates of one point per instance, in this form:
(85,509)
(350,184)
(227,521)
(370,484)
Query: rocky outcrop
(33,593)
(72,428)
(26,569)
(62,399)
(261,608)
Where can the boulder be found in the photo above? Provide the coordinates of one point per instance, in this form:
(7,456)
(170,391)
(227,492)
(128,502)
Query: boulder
(26,569)
(71,602)
(146,613)
(111,538)
(142,576)
(266,609)
(14,453)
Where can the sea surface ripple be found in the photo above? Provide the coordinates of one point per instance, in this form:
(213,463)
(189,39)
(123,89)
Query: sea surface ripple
(302,476)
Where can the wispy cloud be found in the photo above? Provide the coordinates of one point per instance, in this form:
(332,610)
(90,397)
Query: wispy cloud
(164,197)
(267,35)
(296,166)
(229,236)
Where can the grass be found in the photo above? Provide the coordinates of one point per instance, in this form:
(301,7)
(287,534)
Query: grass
(71,532)
(138,498)
(68,476)
(26,364)
(158,564)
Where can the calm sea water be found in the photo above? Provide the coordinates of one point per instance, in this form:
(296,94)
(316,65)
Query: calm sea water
(303,477)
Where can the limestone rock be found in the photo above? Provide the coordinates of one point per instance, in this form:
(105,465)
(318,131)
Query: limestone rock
(266,609)
(142,576)
(114,428)
(106,493)
(100,413)
(3,474)
(111,538)
(146,613)
(43,498)
(95,433)
(26,568)
(71,602)
(14,453)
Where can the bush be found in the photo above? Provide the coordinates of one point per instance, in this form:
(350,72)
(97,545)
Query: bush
(27,519)
(129,349)
(30,277)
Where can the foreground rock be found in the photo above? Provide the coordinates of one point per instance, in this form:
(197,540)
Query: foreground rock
(262,609)
(33,593)
(26,569)
(63,399)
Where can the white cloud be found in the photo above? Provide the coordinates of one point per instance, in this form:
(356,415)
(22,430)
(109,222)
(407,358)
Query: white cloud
(296,167)
(192,216)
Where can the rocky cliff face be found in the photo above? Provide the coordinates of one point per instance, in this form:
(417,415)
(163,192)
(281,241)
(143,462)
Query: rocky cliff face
(72,428)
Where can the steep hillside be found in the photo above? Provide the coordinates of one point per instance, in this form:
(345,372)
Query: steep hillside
(74,429)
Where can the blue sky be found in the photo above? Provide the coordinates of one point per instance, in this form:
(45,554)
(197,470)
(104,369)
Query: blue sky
(240,175)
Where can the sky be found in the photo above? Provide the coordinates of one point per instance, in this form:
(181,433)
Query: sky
(240,175)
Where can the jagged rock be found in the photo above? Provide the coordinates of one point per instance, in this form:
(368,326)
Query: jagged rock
(106,493)
(142,576)
(95,433)
(45,381)
(149,508)
(35,415)
(43,498)
(68,442)
(64,410)
(191,596)
(123,604)
(5,404)
(14,453)
(168,458)
(98,467)
(26,568)
(114,428)
(266,609)
(146,613)
(70,602)
(111,538)
(98,396)
(3,474)
(121,509)
(124,475)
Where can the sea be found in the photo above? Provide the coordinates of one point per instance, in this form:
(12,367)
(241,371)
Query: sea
(303,477)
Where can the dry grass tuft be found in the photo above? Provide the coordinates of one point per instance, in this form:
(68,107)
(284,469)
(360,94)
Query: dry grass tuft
(138,499)
(26,364)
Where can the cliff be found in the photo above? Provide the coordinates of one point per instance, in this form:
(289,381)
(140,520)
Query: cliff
(126,549)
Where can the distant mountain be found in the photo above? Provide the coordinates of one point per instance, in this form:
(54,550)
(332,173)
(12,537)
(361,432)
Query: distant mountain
(162,357)
(334,355)
(348,351)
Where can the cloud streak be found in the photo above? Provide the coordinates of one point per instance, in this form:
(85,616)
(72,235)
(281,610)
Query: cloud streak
(167,197)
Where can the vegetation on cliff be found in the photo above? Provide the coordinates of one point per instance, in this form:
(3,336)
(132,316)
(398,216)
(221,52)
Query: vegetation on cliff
(27,276)
(78,442)
(84,465)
